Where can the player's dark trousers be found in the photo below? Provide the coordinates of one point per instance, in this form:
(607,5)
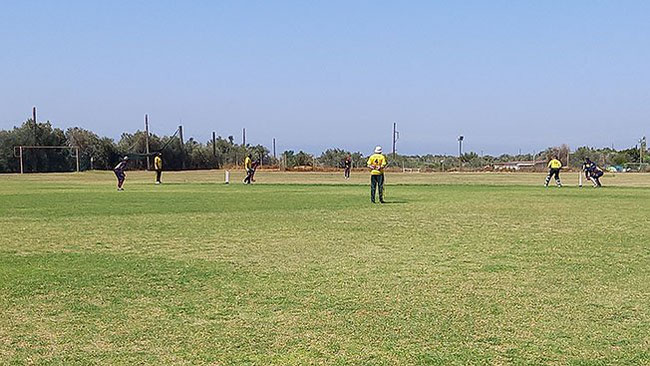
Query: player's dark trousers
(120,178)
(595,178)
(158,175)
(377,181)
(346,174)
(554,172)
(249,176)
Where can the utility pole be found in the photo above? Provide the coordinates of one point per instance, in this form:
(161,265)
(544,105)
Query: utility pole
(214,148)
(274,156)
(214,144)
(182,143)
(34,125)
(20,149)
(460,151)
(244,137)
(395,138)
(642,149)
(77,157)
(34,129)
(146,138)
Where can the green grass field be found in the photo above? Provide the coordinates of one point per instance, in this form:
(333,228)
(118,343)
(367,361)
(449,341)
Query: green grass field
(302,269)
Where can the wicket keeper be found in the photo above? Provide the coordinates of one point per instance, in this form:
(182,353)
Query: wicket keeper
(592,172)
(554,167)
(376,163)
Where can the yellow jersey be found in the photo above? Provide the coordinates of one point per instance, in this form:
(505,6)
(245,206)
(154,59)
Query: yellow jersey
(248,163)
(157,163)
(376,162)
(554,164)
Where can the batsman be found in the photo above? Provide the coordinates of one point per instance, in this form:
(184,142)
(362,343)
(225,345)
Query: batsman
(554,167)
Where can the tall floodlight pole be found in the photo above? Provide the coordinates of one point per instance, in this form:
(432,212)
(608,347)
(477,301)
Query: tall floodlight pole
(146,138)
(274,156)
(244,137)
(460,151)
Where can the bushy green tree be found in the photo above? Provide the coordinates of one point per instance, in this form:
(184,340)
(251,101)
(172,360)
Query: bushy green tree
(304,159)
(300,159)
(102,150)
(333,157)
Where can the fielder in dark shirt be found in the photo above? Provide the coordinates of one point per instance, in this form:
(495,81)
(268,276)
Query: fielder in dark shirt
(119,172)
(347,164)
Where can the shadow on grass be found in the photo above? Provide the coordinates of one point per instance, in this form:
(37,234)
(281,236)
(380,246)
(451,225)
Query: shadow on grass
(393,202)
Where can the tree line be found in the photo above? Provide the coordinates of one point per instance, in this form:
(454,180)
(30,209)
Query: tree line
(103,153)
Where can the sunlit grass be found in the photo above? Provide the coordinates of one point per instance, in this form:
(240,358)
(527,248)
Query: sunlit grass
(496,270)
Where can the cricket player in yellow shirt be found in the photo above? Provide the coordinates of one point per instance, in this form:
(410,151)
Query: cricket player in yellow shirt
(376,163)
(157,166)
(248,165)
(554,167)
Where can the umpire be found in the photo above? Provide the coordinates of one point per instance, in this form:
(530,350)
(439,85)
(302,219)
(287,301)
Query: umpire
(376,163)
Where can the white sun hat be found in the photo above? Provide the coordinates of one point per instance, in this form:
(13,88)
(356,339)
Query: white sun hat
(378,149)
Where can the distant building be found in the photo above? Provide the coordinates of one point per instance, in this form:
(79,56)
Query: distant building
(528,165)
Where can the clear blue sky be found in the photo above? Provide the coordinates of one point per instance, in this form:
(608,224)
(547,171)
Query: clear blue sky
(508,75)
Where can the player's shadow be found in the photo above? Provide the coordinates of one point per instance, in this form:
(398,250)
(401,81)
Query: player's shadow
(394,202)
